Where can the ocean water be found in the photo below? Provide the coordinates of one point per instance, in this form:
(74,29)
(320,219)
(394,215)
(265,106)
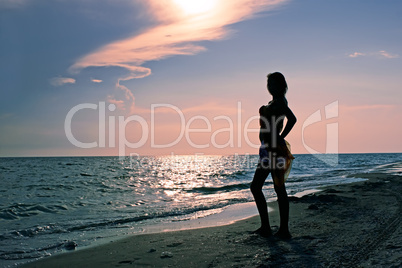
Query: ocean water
(49,204)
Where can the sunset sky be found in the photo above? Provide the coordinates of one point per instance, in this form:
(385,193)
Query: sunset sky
(191,75)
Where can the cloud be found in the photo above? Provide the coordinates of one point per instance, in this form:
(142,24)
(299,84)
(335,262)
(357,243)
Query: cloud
(379,54)
(387,55)
(119,103)
(123,98)
(177,34)
(356,54)
(96,80)
(59,81)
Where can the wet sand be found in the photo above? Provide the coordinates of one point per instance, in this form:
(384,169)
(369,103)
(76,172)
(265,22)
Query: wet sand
(349,225)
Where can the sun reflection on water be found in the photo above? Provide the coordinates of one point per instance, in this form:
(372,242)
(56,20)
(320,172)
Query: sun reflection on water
(191,185)
(196,178)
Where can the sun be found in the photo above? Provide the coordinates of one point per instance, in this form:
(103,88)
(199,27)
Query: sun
(193,7)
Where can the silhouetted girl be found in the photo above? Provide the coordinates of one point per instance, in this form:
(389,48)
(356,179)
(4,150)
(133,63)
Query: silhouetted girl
(275,156)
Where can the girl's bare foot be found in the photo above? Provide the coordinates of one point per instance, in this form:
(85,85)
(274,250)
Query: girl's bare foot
(264,232)
(283,234)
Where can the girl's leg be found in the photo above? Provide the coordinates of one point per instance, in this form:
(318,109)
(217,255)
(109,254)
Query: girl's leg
(256,188)
(283,203)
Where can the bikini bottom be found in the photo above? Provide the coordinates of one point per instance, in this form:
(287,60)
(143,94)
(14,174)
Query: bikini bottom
(279,158)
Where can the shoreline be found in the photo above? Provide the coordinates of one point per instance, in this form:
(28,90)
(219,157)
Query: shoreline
(229,215)
(356,224)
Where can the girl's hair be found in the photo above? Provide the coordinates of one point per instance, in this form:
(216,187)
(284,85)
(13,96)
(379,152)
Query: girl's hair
(277,85)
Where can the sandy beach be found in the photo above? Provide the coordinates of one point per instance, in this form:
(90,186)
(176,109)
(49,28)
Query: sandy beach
(348,225)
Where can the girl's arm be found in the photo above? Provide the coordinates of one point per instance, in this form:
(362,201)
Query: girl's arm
(290,123)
